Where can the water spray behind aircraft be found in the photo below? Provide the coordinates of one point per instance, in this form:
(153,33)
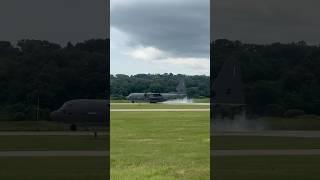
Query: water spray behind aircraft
(185,100)
(239,123)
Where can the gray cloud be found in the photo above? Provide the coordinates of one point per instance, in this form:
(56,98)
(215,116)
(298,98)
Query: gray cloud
(180,27)
(54,20)
(266,21)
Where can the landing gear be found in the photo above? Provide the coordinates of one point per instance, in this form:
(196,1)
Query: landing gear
(73,127)
(132,101)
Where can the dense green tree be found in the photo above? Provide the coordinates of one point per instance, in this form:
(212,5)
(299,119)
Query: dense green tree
(277,77)
(123,85)
(53,74)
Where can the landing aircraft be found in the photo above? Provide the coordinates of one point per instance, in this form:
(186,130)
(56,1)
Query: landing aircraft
(159,97)
(86,112)
(93,112)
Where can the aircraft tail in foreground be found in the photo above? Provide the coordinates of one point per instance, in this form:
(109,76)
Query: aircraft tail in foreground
(228,87)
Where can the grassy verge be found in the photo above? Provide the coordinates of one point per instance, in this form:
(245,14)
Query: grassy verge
(55,168)
(296,123)
(42,126)
(265,168)
(10,143)
(258,142)
(202,100)
(31,126)
(119,101)
(160,145)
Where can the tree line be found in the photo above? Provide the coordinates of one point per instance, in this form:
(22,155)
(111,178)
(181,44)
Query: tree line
(35,73)
(122,85)
(279,79)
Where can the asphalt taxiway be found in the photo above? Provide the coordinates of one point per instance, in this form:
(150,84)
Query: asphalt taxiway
(270,133)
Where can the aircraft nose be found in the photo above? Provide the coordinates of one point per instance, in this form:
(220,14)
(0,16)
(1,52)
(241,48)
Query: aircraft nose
(128,97)
(54,116)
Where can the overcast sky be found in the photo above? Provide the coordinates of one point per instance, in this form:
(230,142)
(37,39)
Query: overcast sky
(58,21)
(160,36)
(266,21)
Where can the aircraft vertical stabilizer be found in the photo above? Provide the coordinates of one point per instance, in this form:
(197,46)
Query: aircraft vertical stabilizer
(181,88)
(228,87)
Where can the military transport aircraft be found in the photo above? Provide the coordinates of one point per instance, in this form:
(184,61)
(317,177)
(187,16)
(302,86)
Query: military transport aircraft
(86,112)
(93,112)
(159,97)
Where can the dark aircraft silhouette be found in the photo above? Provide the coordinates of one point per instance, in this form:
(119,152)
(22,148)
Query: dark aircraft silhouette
(87,112)
(159,97)
(228,87)
(228,96)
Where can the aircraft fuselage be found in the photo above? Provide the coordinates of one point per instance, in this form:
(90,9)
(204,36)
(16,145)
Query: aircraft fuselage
(154,97)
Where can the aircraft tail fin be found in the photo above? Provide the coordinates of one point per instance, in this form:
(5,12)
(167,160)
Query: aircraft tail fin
(228,87)
(181,88)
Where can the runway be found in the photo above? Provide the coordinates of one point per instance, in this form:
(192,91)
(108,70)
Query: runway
(50,133)
(273,152)
(191,104)
(160,110)
(54,153)
(273,133)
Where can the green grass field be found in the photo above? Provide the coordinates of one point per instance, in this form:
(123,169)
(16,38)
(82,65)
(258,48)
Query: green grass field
(307,122)
(119,101)
(54,168)
(201,100)
(41,126)
(31,126)
(160,145)
(265,168)
(22,143)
